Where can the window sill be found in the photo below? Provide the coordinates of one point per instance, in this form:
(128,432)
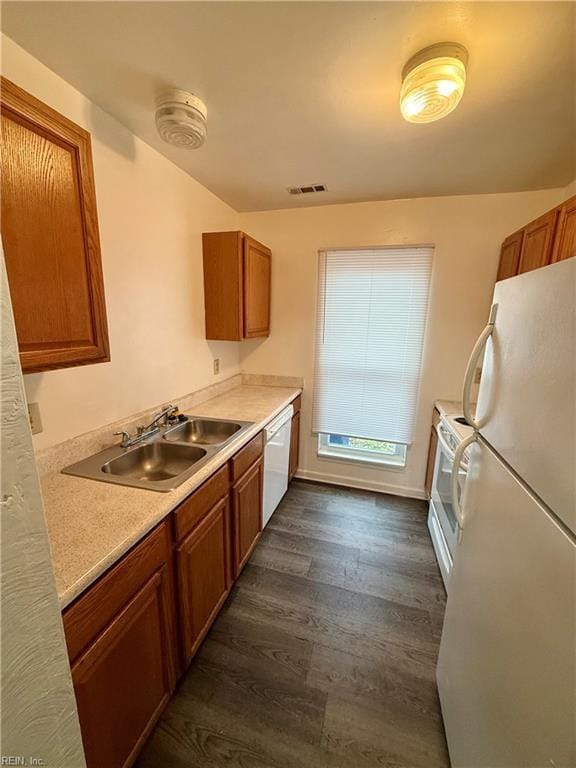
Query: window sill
(381,463)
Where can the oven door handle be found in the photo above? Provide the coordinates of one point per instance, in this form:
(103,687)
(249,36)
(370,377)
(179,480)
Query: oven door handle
(448,450)
(458,454)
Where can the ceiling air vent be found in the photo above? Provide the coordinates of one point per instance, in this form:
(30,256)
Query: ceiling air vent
(307,189)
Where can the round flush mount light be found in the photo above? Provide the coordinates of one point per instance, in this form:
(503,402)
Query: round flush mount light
(433,82)
(181,119)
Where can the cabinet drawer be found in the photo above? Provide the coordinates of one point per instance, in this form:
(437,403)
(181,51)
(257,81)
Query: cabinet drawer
(245,457)
(94,610)
(200,502)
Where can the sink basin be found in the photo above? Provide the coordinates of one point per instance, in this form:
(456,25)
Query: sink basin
(153,462)
(203,431)
(163,461)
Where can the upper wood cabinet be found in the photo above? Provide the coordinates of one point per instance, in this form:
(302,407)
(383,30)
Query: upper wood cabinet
(237,272)
(565,241)
(50,235)
(538,242)
(510,255)
(547,239)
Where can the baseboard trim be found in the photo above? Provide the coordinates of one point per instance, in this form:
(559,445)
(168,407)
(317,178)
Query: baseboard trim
(363,485)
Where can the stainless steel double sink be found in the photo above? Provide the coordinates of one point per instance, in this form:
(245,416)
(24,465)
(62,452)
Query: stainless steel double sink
(165,460)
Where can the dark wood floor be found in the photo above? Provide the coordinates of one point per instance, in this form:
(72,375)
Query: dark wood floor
(324,654)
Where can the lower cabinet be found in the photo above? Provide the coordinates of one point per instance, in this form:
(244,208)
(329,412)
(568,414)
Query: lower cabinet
(294,445)
(133,631)
(247,513)
(203,568)
(120,636)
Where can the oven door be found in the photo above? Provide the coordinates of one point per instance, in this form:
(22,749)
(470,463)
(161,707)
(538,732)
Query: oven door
(442,488)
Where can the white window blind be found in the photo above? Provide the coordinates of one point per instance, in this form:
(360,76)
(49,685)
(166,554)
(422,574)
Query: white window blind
(372,309)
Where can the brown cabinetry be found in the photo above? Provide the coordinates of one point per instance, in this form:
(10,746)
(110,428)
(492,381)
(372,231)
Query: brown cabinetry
(237,271)
(247,513)
(203,567)
(538,242)
(565,240)
(120,637)
(294,439)
(123,634)
(510,255)
(50,235)
(549,238)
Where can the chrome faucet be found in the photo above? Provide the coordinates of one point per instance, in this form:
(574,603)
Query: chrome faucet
(165,414)
(143,432)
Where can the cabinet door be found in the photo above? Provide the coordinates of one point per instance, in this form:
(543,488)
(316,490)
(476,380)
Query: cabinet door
(294,445)
(247,514)
(222,258)
(538,242)
(510,255)
(565,240)
(257,271)
(50,235)
(203,562)
(124,679)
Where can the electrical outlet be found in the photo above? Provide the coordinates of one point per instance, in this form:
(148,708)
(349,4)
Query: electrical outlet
(34,417)
(216,365)
(477,375)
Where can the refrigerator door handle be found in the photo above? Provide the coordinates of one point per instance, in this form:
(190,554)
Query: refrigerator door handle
(458,454)
(471,367)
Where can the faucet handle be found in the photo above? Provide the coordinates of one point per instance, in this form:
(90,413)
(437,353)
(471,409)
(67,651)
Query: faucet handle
(125,437)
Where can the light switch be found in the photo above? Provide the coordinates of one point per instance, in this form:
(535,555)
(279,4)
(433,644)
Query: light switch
(216,365)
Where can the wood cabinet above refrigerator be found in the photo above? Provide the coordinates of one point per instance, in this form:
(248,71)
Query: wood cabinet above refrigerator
(549,238)
(50,235)
(237,272)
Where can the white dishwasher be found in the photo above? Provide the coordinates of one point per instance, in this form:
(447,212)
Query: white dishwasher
(276,458)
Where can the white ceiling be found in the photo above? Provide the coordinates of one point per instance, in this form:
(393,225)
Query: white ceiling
(307,92)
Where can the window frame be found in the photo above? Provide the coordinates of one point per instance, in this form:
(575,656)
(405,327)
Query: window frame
(360,455)
(322,452)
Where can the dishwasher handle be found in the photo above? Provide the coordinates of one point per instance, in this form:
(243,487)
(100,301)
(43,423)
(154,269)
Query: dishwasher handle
(276,425)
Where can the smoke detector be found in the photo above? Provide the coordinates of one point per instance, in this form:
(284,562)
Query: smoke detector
(181,119)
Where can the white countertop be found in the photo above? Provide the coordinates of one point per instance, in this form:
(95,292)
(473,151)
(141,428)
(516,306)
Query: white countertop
(92,524)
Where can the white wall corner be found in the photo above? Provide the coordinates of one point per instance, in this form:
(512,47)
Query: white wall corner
(39,717)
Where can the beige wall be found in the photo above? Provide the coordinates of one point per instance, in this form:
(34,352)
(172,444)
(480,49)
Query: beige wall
(151,217)
(39,719)
(466,232)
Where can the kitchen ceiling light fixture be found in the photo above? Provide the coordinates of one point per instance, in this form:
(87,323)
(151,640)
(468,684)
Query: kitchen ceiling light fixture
(433,82)
(181,119)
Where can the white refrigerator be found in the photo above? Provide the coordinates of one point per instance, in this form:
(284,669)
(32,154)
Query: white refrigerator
(507,663)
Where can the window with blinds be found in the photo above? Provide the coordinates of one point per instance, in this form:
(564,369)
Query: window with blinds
(372,310)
